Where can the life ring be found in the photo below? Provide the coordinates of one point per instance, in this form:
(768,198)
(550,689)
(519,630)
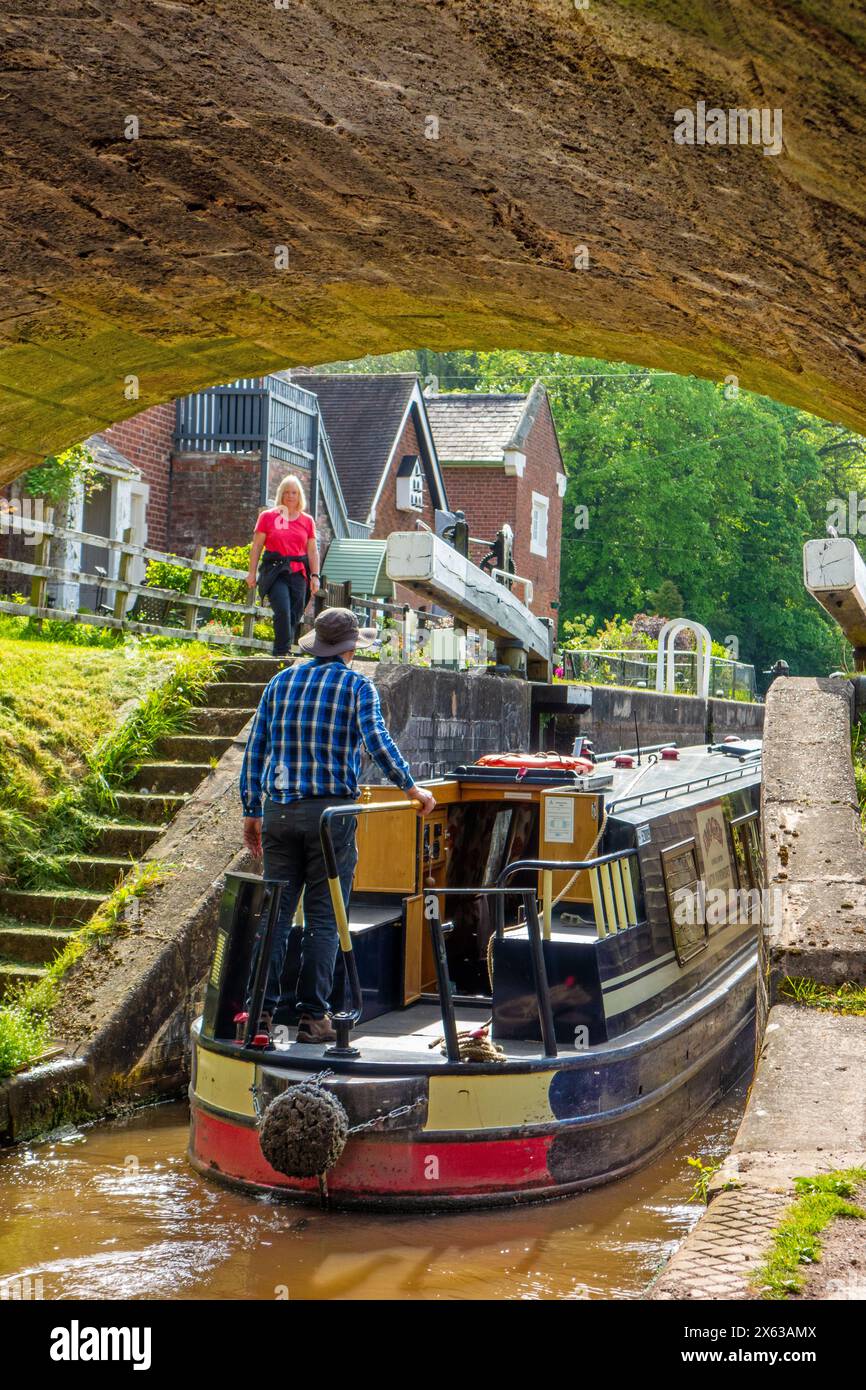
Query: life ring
(538,762)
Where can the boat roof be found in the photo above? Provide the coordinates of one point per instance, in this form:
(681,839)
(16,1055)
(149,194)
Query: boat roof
(699,774)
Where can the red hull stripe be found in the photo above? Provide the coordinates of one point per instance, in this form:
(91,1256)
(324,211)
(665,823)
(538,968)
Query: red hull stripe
(380,1165)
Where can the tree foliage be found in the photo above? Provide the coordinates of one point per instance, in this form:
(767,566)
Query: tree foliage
(55,477)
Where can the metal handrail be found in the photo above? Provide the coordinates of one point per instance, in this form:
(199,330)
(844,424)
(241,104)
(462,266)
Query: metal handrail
(617,894)
(683,788)
(345,1020)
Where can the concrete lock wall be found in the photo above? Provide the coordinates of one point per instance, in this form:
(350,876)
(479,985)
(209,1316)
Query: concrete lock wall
(440,719)
(805,1113)
(607,715)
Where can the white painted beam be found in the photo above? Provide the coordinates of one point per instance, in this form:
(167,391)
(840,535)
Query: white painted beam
(425,564)
(835,576)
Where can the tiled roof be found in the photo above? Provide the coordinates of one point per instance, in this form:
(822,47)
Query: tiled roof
(112,460)
(362,415)
(474,428)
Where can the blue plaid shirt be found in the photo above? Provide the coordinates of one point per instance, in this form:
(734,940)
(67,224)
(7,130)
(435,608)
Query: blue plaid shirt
(307,735)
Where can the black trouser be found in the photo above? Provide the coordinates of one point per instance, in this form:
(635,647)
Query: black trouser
(293,854)
(287,596)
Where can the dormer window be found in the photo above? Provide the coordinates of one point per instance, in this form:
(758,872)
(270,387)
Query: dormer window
(410,484)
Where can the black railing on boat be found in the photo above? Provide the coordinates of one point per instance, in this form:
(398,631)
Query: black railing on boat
(263,962)
(346,1019)
(684,788)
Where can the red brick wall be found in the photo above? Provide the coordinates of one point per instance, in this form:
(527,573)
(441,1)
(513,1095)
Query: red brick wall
(389,518)
(489,497)
(214,500)
(146,441)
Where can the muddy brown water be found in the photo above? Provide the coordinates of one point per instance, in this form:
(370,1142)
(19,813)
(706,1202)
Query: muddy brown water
(115,1211)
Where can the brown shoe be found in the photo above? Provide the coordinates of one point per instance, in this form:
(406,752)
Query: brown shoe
(315,1030)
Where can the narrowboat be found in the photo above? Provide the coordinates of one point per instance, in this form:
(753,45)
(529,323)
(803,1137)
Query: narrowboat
(544,982)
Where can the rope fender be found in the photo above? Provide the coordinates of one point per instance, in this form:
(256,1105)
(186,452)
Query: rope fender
(304,1130)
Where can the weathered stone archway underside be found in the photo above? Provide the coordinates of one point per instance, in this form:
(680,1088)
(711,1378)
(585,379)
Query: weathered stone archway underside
(307,127)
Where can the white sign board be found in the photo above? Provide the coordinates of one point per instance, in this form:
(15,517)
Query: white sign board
(559,820)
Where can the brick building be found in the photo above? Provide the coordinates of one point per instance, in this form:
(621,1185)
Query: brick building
(501,461)
(383,451)
(145,440)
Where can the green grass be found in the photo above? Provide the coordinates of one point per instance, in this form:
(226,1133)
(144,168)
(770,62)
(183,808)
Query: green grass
(25,1015)
(843,999)
(56,702)
(62,752)
(62,756)
(797,1240)
(23,1036)
(164,711)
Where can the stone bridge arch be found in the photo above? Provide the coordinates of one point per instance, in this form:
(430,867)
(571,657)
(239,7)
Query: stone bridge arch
(194,192)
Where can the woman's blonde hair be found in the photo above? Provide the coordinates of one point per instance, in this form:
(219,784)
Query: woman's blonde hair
(287,483)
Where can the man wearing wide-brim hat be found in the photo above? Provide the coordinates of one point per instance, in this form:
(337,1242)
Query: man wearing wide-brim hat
(303,755)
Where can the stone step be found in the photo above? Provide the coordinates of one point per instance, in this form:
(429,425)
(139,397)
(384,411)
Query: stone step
(192,748)
(233,694)
(96,870)
(56,907)
(31,943)
(153,810)
(170,777)
(255,668)
(131,840)
(13,974)
(223,722)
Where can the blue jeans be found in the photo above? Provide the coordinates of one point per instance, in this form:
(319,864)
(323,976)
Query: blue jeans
(292,853)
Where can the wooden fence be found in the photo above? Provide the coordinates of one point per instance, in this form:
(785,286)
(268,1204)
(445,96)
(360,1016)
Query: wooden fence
(170,613)
(154,607)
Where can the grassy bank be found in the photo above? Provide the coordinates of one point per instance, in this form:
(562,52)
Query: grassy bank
(25,1018)
(797,1240)
(75,722)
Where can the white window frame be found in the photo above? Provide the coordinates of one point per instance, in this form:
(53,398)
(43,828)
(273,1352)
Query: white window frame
(540,509)
(416,487)
(409,494)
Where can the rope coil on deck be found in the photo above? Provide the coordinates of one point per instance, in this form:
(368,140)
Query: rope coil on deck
(474,1045)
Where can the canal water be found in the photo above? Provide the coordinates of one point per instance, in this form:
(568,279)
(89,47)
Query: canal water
(115,1211)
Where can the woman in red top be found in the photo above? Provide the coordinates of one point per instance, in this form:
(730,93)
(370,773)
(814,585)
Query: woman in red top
(285,540)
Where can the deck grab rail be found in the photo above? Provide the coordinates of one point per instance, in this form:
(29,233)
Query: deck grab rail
(345,1020)
(610,882)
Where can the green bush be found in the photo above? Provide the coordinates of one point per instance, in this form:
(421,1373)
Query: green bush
(162,574)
